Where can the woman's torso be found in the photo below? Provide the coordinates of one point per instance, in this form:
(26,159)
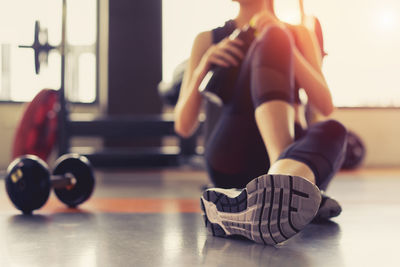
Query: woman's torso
(233,142)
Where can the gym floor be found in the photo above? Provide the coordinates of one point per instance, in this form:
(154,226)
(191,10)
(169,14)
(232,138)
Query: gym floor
(152,218)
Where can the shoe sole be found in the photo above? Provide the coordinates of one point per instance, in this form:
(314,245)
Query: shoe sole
(270,210)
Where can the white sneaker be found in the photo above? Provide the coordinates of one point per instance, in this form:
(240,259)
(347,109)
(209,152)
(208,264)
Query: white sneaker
(270,210)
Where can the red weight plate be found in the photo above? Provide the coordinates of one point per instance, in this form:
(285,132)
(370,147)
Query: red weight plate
(37,131)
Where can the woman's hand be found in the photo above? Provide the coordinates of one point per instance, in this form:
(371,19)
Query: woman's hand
(308,46)
(308,22)
(204,54)
(225,54)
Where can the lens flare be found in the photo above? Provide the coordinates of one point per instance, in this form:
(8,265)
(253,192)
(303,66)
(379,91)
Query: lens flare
(387,20)
(288,11)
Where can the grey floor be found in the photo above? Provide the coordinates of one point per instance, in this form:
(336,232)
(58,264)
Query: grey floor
(365,234)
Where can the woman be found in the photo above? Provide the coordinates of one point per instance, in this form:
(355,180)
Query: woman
(252,146)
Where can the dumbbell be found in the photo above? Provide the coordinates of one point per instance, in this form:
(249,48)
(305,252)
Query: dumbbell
(28,181)
(217,84)
(355,151)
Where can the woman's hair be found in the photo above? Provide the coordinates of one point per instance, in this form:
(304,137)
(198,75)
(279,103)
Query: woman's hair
(270,6)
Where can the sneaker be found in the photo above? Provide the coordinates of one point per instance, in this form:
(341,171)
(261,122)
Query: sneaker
(328,209)
(270,210)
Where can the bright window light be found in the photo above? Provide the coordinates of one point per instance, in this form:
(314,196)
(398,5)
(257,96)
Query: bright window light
(183,20)
(17,72)
(87,77)
(387,20)
(81,31)
(288,11)
(1,71)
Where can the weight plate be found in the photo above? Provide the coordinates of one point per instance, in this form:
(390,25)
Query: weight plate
(28,183)
(80,168)
(36,133)
(355,152)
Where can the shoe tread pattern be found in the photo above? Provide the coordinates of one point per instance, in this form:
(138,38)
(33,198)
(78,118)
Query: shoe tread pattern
(271,209)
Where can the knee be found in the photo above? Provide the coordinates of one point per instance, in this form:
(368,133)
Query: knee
(272,75)
(273,45)
(275,35)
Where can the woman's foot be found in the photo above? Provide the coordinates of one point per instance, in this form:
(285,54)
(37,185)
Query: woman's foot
(328,209)
(270,210)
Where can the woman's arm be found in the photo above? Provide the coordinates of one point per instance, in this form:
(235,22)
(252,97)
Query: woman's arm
(188,106)
(307,64)
(204,54)
(308,45)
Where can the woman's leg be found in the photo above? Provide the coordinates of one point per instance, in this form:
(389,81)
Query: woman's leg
(316,156)
(271,208)
(322,149)
(272,86)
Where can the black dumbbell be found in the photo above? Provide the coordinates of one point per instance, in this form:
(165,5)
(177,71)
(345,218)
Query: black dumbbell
(28,181)
(355,152)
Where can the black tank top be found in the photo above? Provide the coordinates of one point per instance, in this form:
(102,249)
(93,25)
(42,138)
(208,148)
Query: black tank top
(218,34)
(213,112)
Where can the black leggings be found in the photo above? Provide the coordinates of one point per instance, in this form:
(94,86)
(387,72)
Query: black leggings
(235,152)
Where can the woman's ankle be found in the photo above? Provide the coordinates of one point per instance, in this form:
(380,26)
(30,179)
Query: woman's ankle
(292,167)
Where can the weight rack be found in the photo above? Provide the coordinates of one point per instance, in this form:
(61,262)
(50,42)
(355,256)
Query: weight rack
(73,125)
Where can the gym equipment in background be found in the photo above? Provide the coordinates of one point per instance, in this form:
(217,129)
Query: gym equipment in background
(28,181)
(110,127)
(40,46)
(355,152)
(218,83)
(37,131)
(169,91)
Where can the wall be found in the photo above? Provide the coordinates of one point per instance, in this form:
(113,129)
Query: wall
(380,130)
(10,115)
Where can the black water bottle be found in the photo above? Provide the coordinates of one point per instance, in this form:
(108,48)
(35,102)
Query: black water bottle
(217,84)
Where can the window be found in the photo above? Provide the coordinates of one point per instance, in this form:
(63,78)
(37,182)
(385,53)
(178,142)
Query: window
(183,20)
(361,39)
(18,81)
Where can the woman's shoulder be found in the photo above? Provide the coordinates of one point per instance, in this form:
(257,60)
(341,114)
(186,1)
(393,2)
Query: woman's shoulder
(278,30)
(203,39)
(298,33)
(220,33)
(217,34)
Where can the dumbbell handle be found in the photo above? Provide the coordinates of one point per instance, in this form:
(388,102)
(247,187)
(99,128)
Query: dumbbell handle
(63,181)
